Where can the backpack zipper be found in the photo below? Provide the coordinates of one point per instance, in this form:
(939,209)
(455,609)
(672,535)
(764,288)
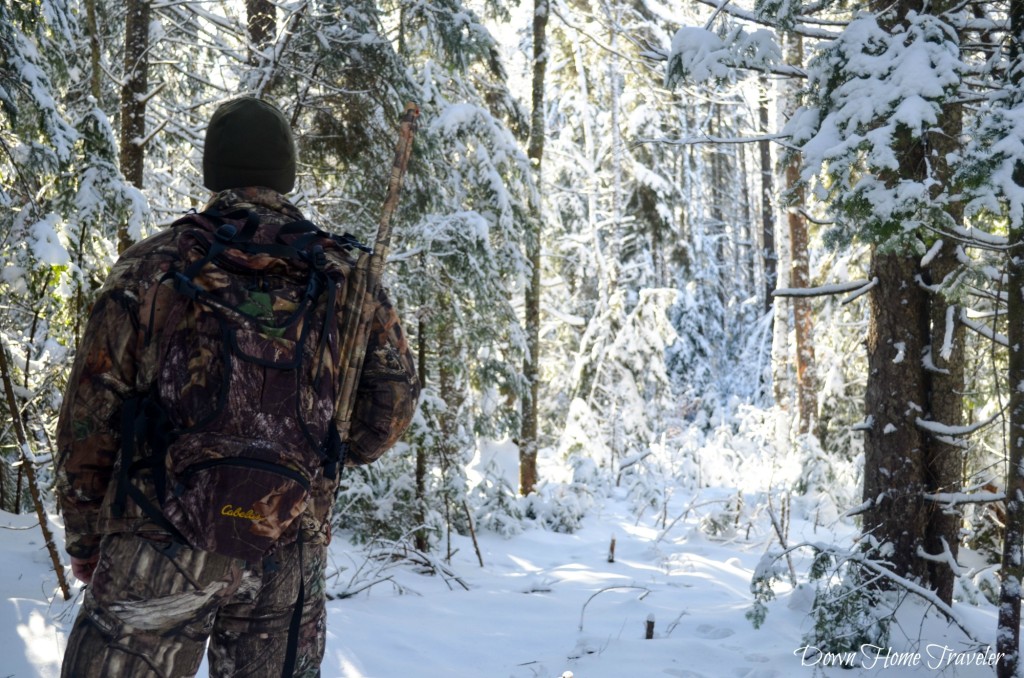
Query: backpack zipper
(250,463)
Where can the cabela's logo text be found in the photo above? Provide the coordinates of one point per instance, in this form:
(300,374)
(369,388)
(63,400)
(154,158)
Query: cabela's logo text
(239,512)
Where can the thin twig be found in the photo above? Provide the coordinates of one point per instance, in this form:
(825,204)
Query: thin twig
(610,588)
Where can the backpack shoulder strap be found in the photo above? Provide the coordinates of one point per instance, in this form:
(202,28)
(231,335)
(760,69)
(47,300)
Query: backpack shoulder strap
(143,419)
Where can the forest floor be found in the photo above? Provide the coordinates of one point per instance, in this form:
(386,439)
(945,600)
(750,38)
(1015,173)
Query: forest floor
(547,603)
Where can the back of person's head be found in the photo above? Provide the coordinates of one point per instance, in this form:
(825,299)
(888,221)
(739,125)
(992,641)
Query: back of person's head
(249,143)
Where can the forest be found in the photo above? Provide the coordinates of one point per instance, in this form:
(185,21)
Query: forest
(631,232)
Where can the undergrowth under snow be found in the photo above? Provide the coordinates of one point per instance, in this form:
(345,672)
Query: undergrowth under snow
(546,603)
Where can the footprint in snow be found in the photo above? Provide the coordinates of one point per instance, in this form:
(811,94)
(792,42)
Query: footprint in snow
(710,632)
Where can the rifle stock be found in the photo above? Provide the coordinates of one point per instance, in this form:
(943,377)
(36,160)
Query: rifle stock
(368,277)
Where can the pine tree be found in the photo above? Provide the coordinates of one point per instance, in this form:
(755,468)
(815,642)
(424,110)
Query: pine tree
(62,195)
(887,182)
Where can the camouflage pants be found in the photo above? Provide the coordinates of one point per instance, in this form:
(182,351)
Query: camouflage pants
(147,614)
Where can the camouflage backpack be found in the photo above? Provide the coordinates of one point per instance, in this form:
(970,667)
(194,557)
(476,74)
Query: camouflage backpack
(239,425)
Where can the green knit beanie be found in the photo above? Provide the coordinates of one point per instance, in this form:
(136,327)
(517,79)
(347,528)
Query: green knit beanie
(249,143)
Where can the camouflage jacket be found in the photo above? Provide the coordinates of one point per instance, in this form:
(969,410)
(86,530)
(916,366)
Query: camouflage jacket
(116,361)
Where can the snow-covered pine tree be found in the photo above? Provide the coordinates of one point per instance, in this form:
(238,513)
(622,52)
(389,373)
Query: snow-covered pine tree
(459,258)
(887,187)
(633,211)
(62,197)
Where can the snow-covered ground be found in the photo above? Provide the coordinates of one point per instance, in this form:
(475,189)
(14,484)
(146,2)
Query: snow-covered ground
(544,604)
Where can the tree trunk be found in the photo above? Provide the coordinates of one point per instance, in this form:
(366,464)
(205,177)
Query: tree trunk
(262,23)
(944,458)
(133,101)
(528,439)
(800,274)
(909,324)
(768,255)
(803,316)
(1012,571)
(893,445)
(92,27)
(1008,636)
(450,391)
(420,539)
(945,372)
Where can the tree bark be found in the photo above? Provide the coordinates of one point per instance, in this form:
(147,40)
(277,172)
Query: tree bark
(944,458)
(1012,570)
(92,27)
(1008,636)
(528,439)
(894,466)
(800,275)
(768,254)
(420,539)
(909,325)
(261,19)
(133,101)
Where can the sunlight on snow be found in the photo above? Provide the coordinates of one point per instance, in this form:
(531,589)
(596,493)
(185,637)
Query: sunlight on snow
(349,670)
(40,638)
(525,565)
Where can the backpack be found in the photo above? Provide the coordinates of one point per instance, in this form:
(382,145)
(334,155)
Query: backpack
(239,426)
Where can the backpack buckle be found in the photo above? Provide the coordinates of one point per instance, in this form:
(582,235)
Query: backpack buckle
(319,258)
(184,285)
(225,232)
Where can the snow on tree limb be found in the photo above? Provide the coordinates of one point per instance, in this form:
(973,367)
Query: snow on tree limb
(859,286)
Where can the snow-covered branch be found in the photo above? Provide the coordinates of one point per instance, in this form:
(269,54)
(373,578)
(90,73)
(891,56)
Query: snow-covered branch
(911,587)
(800,28)
(954,431)
(983,330)
(707,139)
(961,498)
(859,286)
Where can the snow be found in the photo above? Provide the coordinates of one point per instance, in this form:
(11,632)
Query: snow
(545,603)
(47,245)
(702,54)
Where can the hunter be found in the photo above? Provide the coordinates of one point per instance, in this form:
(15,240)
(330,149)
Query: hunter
(153,599)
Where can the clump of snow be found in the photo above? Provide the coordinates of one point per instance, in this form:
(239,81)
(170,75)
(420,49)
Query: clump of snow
(47,244)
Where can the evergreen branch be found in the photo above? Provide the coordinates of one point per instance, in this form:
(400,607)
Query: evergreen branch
(911,587)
